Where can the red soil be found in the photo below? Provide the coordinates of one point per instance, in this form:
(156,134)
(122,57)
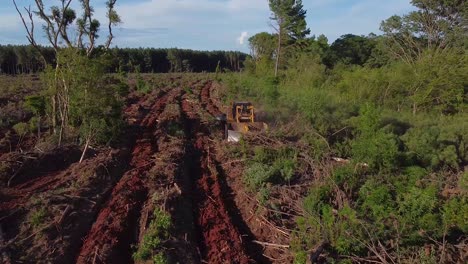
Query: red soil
(112,209)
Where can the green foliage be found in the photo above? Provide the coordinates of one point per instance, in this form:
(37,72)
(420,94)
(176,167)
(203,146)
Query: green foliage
(94,99)
(318,197)
(270,166)
(156,234)
(350,49)
(463,182)
(36,104)
(396,106)
(160,259)
(377,199)
(416,209)
(372,145)
(21,129)
(256,175)
(37,217)
(141,85)
(455,213)
(439,141)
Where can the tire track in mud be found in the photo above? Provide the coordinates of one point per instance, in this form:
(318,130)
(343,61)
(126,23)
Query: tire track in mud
(116,226)
(255,251)
(221,234)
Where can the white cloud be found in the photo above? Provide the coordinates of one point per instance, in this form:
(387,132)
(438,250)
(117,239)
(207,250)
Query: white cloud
(242,37)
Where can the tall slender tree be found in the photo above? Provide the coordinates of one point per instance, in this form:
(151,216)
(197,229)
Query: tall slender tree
(288,18)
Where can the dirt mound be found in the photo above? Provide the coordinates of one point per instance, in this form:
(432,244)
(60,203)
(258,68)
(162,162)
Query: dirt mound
(29,166)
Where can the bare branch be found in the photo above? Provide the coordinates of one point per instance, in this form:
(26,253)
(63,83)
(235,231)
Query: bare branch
(114,19)
(30,30)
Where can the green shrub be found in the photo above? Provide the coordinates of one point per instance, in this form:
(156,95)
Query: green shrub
(455,214)
(376,199)
(347,177)
(160,259)
(373,145)
(270,166)
(37,217)
(156,234)
(437,142)
(141,85)
(463,182)
(21,129)
(318,196)
(256,175)
(416,208)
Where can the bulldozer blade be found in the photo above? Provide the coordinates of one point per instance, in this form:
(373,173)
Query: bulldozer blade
(233,136)
(258,126)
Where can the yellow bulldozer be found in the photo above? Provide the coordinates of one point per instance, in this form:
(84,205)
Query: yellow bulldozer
(241,119)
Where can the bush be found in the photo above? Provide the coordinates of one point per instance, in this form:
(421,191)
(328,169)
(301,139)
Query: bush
(376,199)
(157,232)
(270,166)
(256,175)
(417,211)
(21,129)
(455,213)
(372,144)
(437,142)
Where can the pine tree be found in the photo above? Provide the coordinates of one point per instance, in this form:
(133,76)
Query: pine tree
(289,23)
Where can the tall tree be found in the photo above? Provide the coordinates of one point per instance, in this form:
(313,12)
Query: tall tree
(290,24)
(436,25)
(262,45)
(58,21)
(350,49)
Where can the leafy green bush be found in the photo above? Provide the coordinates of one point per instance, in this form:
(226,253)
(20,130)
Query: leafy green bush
(455,213)
(372,144)
(21,129)
(157,232)
(319,195)
(270,166)
(256,175)
(436,142)
(416,209)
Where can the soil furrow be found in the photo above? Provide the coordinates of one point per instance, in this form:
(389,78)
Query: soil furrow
(116,227)
(219,239)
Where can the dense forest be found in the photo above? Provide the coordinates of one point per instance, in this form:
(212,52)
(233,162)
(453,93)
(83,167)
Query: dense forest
(25,59)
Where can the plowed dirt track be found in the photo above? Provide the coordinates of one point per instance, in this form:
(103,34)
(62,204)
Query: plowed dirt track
(56,210)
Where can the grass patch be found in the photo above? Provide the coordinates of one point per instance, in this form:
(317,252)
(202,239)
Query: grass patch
(37,217)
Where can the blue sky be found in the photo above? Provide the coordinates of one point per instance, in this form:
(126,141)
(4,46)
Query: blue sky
(215,24)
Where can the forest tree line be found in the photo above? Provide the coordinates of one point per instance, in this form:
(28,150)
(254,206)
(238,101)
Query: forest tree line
(25,59)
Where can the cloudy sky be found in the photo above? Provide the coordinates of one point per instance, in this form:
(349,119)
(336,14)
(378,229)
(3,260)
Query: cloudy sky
(215,24)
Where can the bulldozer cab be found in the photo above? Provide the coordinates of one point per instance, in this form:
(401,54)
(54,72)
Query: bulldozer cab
(239,120)
(243,112)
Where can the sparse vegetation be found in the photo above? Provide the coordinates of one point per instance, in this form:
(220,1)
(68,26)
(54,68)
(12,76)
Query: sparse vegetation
(37,217)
